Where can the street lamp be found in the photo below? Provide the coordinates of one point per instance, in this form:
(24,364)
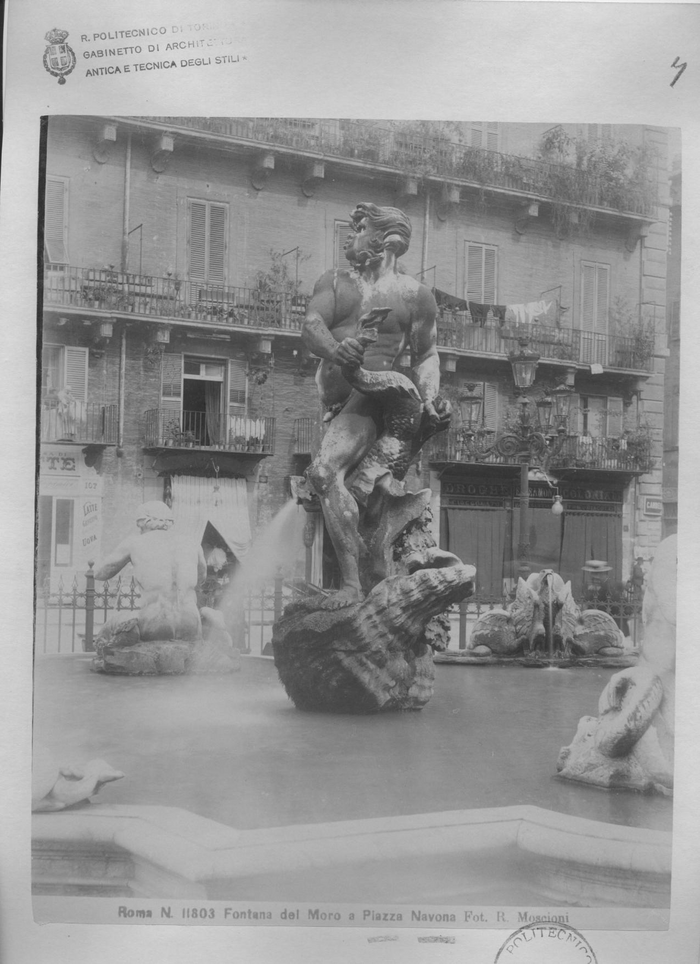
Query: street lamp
(532,445)
(524,365)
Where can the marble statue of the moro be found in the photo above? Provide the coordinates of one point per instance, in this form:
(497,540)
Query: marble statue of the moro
(359,322)
(168,634)
(630,743)
(544,606)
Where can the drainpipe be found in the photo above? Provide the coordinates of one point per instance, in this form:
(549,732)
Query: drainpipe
(127,194)
(426,222)
(122,387)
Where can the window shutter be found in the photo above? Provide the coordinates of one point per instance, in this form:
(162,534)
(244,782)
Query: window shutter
(171,381)
(55,221)
(76,371)
(237,387)
(217,243)
(198,241)
(481,270)
(575,415)
(614,427)
(588,297)
(601,313)
(489,297)
(476,137)
(342,230)
(492,136)
(490,406)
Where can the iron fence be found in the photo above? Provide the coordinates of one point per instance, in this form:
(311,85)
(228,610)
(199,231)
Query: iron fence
(165,428)
(69,617)
(78,421)
(126,293)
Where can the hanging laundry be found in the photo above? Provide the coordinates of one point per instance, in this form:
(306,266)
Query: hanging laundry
(532,312)
(480,313)
(449,301)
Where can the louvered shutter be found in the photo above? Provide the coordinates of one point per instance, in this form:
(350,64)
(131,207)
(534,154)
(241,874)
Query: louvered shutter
(55,222)
(490,406)
(492,136)
(76,372)
(481,270)
(489,297)
(588,297)
(171,382)
(601,312)
(198,241)
(575,415)
(476,138)
(342,230)
(217,244)
(475,279)
(614,426)
(237,387)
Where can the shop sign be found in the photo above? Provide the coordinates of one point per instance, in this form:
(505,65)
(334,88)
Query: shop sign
(653,505)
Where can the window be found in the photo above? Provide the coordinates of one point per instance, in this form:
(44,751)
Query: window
(207,241)
(593,317)
(237,387)
(599,132)
(63,366)
(598,416)
(63,532)
(56,221)
(483,134)
(342,230)
(480,283)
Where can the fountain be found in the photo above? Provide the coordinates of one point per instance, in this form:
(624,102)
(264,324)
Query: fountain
(169,634)
(630,743)
(544,627)
(368,647)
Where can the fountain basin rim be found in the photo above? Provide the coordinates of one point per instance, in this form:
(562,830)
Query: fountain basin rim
(196,849)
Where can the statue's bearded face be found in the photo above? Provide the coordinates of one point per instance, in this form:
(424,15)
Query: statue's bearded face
(364,246)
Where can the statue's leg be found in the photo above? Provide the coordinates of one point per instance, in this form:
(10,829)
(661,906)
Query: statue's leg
(348,438)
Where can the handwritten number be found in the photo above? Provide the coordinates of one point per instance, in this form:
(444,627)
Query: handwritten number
(680,71)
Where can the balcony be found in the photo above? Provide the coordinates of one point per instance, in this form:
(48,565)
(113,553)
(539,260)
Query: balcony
(122,293)
(83,423)
(631,353)
(168,429)
(410,150)
(609,454)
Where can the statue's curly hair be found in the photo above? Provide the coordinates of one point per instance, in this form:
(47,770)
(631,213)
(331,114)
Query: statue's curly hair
(393,226)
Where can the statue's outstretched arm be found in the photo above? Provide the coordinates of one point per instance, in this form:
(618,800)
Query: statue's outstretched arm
(115,561)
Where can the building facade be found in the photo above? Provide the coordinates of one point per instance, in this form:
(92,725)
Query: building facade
(179,254)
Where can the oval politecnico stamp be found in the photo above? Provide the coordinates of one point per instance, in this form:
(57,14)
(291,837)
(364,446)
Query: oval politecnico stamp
(546,943)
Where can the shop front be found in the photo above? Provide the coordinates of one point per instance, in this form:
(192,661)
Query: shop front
(480,523)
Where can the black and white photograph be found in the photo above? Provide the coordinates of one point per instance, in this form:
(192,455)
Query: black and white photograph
(353,545)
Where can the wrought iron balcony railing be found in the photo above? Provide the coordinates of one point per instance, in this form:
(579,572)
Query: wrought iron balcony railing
(615,454)
(86,423)
(412,150)
(165,428)
(126,293)
(551,342)
(123,293)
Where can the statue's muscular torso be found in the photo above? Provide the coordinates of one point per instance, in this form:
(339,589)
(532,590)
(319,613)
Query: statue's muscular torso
(349,297)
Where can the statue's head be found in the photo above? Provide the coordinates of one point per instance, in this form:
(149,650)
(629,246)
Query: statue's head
(154,515)
(376,230)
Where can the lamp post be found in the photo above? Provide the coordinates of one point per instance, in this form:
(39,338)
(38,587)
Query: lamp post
(531,445)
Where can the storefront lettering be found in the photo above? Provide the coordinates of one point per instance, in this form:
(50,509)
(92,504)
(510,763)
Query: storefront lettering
(89,508)
(60,463)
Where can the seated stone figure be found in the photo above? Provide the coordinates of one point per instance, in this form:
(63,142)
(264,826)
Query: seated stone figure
(168,569)
(630,743)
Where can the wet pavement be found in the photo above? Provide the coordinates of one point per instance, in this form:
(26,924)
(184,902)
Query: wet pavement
(234,749)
